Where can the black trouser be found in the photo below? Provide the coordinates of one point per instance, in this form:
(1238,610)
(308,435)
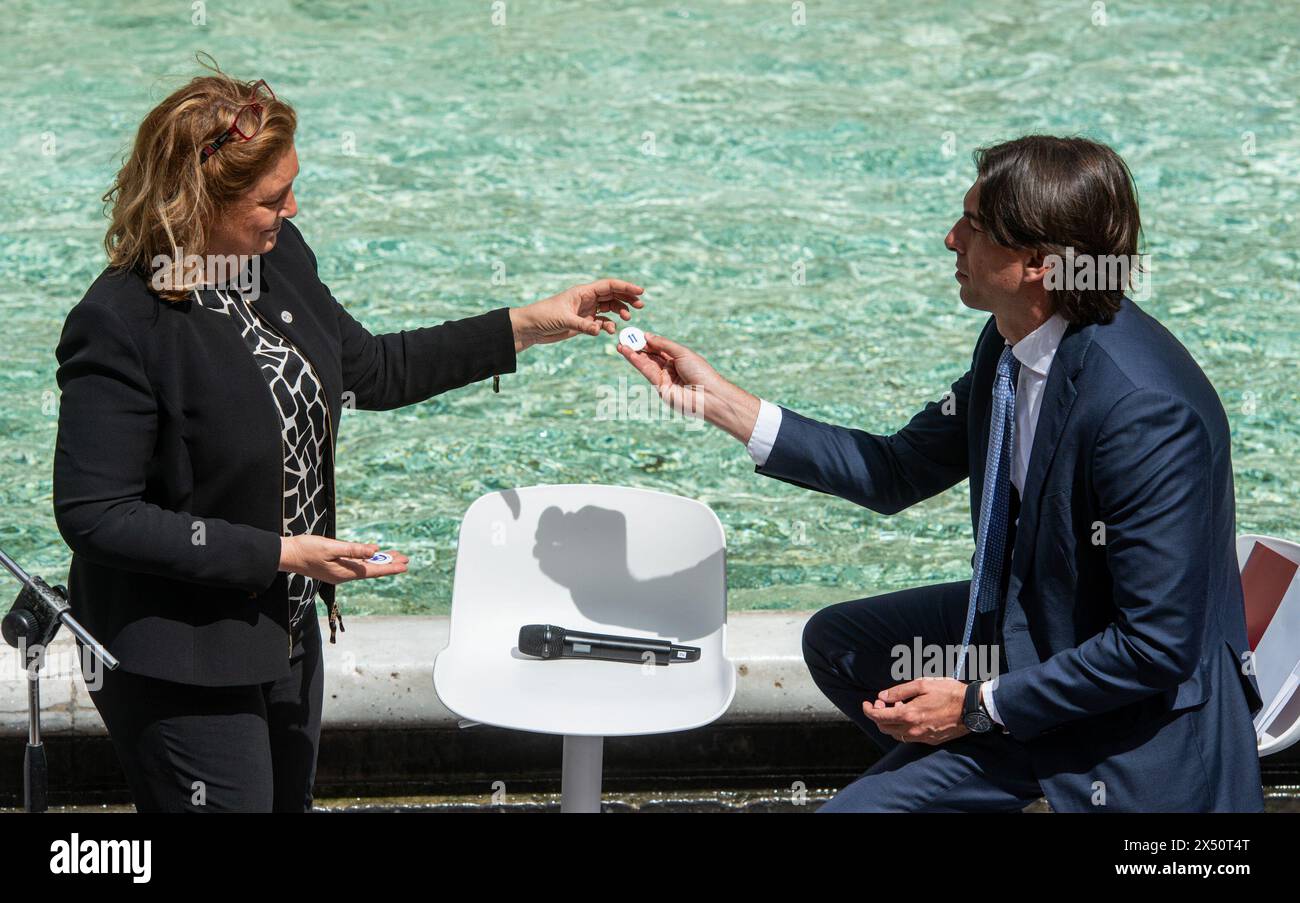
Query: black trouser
(851,648)
(219,749)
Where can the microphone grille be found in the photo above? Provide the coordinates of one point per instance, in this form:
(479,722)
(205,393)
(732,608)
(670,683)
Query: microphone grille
(533,640)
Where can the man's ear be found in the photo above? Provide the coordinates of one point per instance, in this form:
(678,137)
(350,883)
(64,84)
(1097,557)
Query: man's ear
(1037,265)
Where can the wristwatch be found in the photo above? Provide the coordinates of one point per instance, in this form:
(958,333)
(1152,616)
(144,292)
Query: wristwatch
(973,714)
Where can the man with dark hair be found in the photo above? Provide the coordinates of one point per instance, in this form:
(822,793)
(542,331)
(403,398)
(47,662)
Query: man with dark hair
(1105,606)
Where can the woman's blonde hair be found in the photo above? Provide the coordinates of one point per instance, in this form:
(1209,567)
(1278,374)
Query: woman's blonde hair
(163,201)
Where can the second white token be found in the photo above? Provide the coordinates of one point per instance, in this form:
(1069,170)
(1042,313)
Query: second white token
(632,337)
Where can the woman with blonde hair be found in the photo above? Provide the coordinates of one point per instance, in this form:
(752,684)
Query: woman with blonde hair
(202,378)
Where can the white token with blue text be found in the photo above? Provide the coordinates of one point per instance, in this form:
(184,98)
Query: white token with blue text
(380,558)
(632,337)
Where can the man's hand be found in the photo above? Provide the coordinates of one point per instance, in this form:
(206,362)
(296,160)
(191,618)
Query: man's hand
(574,311)
(685,381)
(920,711)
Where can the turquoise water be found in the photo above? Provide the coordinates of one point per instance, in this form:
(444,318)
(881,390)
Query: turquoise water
(450,165)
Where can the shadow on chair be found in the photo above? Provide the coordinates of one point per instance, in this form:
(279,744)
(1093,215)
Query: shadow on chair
(585,551)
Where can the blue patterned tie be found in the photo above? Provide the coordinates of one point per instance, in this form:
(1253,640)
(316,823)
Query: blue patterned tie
(995,501)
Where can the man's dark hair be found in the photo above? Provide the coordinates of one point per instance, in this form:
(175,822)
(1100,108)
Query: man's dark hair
(1052,194)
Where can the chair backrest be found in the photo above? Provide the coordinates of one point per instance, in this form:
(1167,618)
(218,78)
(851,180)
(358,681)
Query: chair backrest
(1269,582)
(606,559)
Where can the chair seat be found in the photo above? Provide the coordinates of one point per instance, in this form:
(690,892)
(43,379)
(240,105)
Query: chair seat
(585,698)
(605,559)
(1271,589)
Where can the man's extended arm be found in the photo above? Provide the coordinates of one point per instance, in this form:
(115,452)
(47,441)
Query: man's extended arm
(883,473)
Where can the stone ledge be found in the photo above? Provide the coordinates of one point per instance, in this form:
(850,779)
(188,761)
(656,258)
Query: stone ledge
(380,676)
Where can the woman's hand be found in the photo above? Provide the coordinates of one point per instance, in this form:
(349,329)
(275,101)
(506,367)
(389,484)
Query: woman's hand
(692,387)
(574,311)
(335,561)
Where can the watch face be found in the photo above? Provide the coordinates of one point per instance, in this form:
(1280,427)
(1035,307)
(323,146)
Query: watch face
(978,722)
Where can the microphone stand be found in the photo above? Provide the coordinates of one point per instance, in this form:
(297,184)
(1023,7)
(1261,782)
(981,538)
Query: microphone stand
(29,627)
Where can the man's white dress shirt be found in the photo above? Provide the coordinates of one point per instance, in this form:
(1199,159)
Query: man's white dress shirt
(1035,352)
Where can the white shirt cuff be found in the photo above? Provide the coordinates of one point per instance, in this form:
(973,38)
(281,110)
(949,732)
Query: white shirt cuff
(986,694)
(765,430)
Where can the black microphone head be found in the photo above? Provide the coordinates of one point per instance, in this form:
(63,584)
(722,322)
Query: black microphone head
(541,640)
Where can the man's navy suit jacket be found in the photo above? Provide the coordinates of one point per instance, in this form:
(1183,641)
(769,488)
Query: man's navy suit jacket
(1124,632)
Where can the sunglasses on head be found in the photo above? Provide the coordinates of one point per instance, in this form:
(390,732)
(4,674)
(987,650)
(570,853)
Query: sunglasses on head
(247,121)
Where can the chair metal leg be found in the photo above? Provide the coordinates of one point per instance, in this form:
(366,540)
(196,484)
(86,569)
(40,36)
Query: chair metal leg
(580,774)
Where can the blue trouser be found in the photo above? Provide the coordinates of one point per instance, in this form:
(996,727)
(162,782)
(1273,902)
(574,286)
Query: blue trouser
(848,648)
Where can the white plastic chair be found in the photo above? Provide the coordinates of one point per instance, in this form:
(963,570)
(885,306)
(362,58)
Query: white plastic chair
(1270,577)
(608,559)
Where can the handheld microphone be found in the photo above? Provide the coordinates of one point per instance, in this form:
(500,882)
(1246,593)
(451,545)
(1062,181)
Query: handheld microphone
(547,641)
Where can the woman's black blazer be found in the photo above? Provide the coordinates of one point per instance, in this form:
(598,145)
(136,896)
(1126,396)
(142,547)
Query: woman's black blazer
(168,467)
